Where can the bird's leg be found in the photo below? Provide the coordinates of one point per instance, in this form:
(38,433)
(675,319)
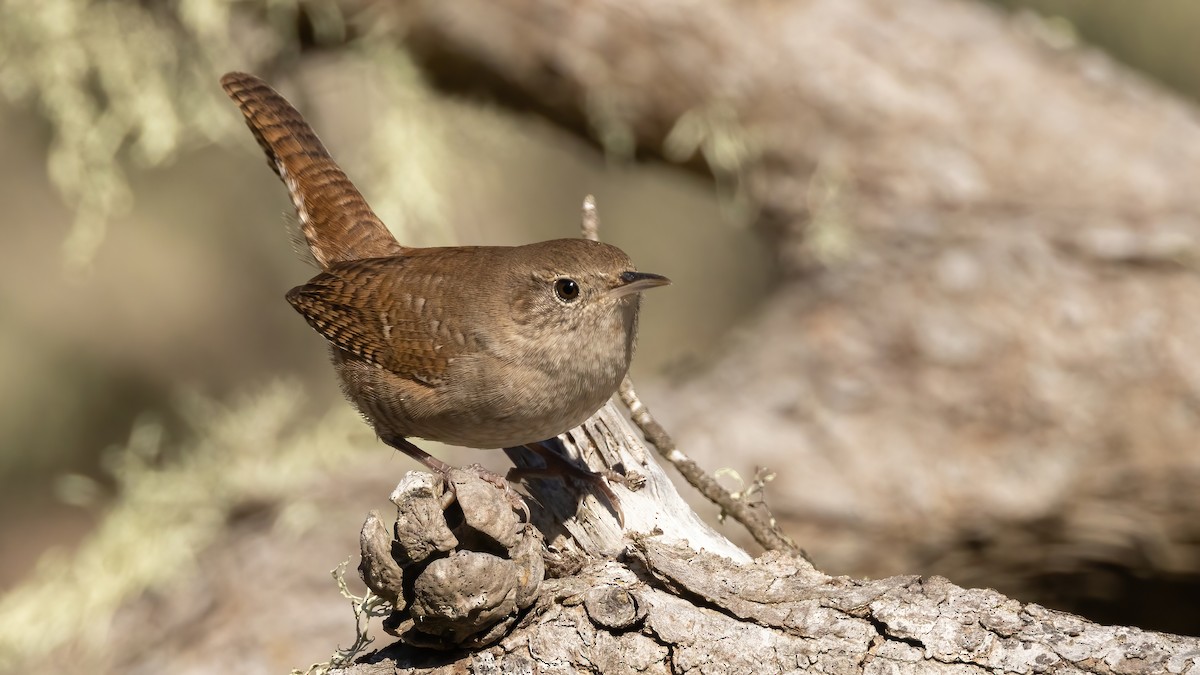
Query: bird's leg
(557,465)
(443,469)
(404,445)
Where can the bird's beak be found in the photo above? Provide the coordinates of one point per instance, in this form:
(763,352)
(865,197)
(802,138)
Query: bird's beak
(636,282)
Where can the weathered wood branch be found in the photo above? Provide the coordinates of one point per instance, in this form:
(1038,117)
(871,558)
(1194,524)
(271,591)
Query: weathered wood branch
(668,595)
(674,611)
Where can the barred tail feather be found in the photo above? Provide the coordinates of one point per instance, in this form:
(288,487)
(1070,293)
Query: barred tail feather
(337,223)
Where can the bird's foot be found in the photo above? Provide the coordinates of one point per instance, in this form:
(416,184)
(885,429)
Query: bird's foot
(515,500)
(558,466)
(445,471)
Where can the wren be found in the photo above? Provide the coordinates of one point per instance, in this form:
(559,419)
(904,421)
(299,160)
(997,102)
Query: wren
(476,346)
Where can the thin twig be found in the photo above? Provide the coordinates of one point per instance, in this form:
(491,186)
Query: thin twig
(365,607)
(590,219)
(762,526)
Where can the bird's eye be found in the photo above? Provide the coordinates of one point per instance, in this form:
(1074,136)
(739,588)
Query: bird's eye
(566,289)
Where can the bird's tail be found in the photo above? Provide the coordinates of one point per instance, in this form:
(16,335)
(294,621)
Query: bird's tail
(337,222)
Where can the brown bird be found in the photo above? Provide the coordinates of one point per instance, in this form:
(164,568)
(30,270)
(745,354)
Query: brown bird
(478,346)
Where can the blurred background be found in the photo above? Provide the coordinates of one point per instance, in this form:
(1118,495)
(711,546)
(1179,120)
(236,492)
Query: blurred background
(934,267)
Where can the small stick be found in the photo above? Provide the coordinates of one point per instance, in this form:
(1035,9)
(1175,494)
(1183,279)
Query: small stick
(590,219)
(761,526)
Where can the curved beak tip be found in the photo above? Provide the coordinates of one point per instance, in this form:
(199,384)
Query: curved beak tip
(635,282)
(653,279)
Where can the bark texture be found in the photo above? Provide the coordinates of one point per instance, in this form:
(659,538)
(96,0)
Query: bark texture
(652,598)
(980,355)
(666,608)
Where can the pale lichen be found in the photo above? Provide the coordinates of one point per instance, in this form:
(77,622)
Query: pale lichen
(257,448)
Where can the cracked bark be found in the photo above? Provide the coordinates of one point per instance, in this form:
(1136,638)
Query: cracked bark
(668,595)
(705,613)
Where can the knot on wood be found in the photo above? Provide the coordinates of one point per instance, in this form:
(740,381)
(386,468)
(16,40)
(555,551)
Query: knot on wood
(614,607)
(458,565)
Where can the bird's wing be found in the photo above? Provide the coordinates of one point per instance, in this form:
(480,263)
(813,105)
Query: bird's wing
(378,310)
